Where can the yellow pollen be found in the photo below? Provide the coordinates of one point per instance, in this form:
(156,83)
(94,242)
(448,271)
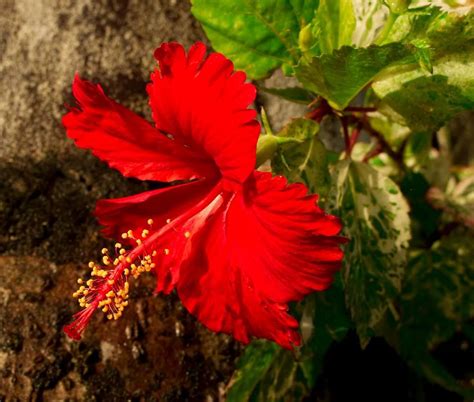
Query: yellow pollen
(166,251)
(130,234)
(154,253)
(80,281)
(187,235)
(104,251)
(118,245)
(106,260)
(126,271)
(116,261)
(124,235)
(150,221)
(139,241)
(110,281)
(91,264)
(122,251)
(168,220)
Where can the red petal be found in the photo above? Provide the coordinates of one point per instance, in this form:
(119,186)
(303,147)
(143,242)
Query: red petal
(126,141)
(131,213)
(203,103)
(268,248)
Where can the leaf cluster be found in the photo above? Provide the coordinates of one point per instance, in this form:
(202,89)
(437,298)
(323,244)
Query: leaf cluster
(393,74)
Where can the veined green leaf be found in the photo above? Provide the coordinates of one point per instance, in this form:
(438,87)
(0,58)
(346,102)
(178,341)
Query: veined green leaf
(375,216)
(340,76)
(258,36)
(304,159)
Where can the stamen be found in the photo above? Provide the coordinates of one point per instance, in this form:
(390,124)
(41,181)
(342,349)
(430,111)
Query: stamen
(108,286)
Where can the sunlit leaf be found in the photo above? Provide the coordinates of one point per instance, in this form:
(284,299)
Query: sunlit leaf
(258,36)
(340,76)
(423,100)
(375,215)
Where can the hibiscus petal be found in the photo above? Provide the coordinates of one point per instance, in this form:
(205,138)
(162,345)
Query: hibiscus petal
(203,103)
(127,142)
(120,215)
(268,247)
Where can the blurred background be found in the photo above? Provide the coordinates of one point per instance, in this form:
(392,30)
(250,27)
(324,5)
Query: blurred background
(48,189)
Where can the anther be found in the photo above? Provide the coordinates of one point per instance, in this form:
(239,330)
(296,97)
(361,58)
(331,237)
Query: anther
(80,281)
(168,220)
(150,221)
(104,251)
(166,251)
(118,245)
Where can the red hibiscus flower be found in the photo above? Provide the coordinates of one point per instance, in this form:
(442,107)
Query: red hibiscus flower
(236,244)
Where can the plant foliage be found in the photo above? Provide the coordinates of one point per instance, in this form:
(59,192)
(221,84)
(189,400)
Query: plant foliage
(393,73)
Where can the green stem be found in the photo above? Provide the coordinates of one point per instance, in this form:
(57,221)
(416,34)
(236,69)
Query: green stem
(386,29)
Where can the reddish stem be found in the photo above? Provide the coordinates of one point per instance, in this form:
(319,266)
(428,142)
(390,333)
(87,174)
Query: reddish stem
(354,137)
(317,114)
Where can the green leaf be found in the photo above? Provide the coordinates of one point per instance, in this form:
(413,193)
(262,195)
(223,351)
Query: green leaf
(340,76)
(375,216)
(258,36)
(303,160)
(293,94)
(251,368)
(437,301)
(423,100)
(334,22)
